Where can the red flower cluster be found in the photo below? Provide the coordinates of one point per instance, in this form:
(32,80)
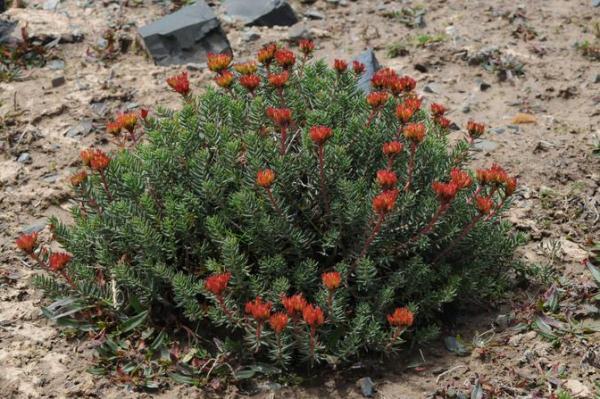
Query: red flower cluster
(402,317)
(384,202)
(278,80)
(460,178)
(180,83)
(313,316)
(217,283)
(437,110)
(306,47)
(95,159)
(495,175)
(78,178)
(246,68)
(294,305)
(266,54)
(258,309)
(358,67)
(113,128)
(377,99)
(442,122)
(413,102)
(127,121)
(58,261)
(392,148)
(475,129)
(387,78)
(265,178)
(278,322)
(415,132)
(331,280)
(219,62)
(27,242)
(484,204)
(282,117)
(404,112)
(224,80)
(285,58)
(320,134)
(340,65)
(250,82)
(445,191)
(387,179)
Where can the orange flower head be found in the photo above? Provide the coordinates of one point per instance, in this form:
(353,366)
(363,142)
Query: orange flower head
(497,174)
(384,203)
(219,62)
(278,322)
(413,102)
(127,121)
(437,109)
(442,122)
(267,54)
(307,47)
(377,99)
(386,179)
(99,161)
(402,317)
(313,316)
(331,280)
(59,260)
(278,80)
(399,85)
(144,113)
(358,67)
(217,283)
(484,204)
(113,128)
(415,132)
(250,82)
(246,68)
(383,78)
(259,309)
(180,83)
(86,156)
(265,178)
(445,191)
(224,80)
(294,305)
(320,134)
(282,117)
(392,148)
(408,83)
(510,185)
(475,129)
(460,178)
(285,58)
(404,112)
(78,178)
(340,66)
(27,242)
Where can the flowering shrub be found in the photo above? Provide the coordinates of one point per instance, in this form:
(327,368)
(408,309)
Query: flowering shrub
(281,216)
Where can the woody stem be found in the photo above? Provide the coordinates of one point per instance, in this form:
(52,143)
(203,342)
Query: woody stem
(68,279)
(411,167)
(397,333)
(371,117)
(370,239)
(224,308)
(458,239)
(495,211)
(283,140)
(330,304)
(324,196)
(258,332)
(273,203)
(105,184)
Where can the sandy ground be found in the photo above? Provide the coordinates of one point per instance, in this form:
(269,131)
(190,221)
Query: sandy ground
(558,202)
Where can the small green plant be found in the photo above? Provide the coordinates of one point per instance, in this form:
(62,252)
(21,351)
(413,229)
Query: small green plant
(282,219)
(23,54)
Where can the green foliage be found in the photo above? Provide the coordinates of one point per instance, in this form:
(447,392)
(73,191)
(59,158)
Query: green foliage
(184,205)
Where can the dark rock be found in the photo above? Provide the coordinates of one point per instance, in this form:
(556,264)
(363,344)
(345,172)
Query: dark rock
(483,86)
(299,31)
(2,6)
(261,12)
(371,66)
(187,35)
(421,68)
(597,78)
(454,126)
(314,14)
(6,30)
(595,3)
(25,158)
(432,88)
(250,35)
(59,81)
(81,130)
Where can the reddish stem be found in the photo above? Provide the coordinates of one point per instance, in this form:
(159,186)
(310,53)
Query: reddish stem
(105,184)
(258,333)
(324,196)
(369,241)
(372,116)
(495,211)
(411,166)
(282,150)
(68,279)
(462,235)
(273,203)
(395,337)
(224,308)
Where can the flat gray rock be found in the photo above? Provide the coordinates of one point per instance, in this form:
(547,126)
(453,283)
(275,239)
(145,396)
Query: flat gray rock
(186,36)
(261,12)
(372,65)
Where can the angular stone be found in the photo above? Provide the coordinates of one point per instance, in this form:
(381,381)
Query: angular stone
(261,12)
(371,66)
(80,130)
(299,31)
(485,145)
(25,158)
(58,81)
(186,36)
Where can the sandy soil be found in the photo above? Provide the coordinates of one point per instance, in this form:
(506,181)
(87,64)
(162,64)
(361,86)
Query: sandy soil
(558,202)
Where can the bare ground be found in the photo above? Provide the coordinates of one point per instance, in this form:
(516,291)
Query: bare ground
(558,202)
